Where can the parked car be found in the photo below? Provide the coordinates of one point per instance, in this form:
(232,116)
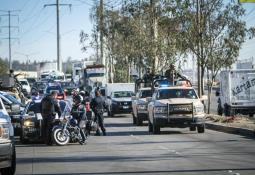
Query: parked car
(120,102)
(31,81)
(61,93)
(7,145)
(139,106)
(13,108)
(25,85)
(177,107)
(68,87)
(39,86)
(31,121)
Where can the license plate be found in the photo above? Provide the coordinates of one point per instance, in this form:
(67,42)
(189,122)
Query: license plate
(125,107)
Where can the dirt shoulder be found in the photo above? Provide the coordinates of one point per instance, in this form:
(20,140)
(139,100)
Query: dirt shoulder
(235,121)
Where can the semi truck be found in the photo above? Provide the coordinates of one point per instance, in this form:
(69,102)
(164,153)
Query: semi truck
(237,92)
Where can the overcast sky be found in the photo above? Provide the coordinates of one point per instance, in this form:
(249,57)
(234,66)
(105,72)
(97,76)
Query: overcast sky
(37,29)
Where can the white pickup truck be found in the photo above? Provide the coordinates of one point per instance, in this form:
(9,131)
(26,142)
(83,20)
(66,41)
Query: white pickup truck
(177,107)
(237,92)
(7,146)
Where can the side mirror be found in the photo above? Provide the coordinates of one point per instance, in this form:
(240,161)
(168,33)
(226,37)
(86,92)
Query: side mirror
(148,99)
(217,93)
(204,98)
(133,98)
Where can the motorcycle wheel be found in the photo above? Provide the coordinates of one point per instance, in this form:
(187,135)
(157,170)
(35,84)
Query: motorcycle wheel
(59,137)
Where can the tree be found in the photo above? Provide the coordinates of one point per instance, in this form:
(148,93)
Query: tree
(3,67)
(212,30)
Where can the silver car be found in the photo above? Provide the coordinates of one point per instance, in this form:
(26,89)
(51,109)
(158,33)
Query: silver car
(7,146)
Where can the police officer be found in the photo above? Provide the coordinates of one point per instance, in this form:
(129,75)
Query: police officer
(78,109)
(98,105)
(49,108)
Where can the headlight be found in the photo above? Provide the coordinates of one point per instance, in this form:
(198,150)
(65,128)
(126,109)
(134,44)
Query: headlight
(29,123)
(160,109)
(4,131)
(199,109)
(142,107)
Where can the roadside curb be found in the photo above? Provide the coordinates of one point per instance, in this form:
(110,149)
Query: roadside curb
(230,129)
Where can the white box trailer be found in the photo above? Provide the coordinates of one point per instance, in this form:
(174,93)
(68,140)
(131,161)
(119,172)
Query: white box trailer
(237,92)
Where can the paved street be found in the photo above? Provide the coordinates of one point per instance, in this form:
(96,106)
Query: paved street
(131,150)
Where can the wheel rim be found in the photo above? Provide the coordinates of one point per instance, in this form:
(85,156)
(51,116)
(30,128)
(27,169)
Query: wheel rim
(60,136)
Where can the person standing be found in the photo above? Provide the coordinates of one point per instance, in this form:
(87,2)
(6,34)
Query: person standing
(98,105)
(49,108)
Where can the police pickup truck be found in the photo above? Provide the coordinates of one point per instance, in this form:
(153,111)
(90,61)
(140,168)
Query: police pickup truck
(177,107)
(139,106)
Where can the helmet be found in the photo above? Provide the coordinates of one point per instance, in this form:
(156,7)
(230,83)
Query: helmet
(82,93)
(78,98)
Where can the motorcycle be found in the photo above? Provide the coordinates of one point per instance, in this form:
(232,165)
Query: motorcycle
(66,129)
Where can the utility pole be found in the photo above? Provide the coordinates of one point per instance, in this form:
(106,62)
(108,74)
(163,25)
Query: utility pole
(9,15)
(59,61)
(101,28)
(198,49)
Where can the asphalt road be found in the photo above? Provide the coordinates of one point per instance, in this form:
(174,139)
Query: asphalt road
(128,149)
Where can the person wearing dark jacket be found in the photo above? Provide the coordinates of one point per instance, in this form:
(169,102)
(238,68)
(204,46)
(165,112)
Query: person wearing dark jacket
(98,105)
(49,108)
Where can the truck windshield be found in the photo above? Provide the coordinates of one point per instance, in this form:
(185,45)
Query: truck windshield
(122,94)
(177,93)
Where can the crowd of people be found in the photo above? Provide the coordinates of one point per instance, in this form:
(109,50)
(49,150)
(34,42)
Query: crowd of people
(82,108)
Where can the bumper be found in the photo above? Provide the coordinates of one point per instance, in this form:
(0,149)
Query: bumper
(31,133)
(178,121)
(142,115)
(5,154)
(119,109)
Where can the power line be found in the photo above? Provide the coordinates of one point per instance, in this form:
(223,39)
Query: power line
(9,14)
(59,62)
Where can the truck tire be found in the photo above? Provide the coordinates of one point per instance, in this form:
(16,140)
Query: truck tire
(156,129)
(150,127)
(219,110)
(201,129)
(134,119)
(192,128)
(251,115)
(227,110)
(10,170)
(139,122)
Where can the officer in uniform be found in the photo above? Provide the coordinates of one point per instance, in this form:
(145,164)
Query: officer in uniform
(49,108)
(98,105)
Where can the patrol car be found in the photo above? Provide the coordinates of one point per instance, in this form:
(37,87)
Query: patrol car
(139,106)
(175,106)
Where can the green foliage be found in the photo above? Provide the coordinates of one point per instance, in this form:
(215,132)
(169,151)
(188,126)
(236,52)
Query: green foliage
(3,67)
